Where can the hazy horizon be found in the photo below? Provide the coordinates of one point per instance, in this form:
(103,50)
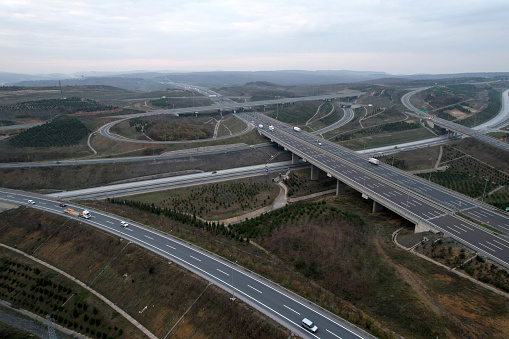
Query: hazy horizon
(393,36)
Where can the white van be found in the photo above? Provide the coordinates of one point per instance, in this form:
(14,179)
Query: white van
(308,325)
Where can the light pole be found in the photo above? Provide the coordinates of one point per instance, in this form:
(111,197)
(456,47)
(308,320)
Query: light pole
(484,192)
(233,288)
(430,169)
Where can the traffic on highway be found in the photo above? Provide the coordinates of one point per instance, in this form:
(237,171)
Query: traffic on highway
(272,300)
(407,195)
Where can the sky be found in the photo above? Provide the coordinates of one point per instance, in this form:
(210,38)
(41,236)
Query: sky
(393,36)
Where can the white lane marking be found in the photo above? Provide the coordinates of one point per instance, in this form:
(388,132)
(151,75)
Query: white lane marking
(291,309)
(452,229)
(500,248)
(109,222)
(487,247)
(227,284)
(171,247)
(254,289)
(43,203)
(146,236)
(195,258)
(498,242)
(334,334)
(466,226)
(461,229)
(223,272)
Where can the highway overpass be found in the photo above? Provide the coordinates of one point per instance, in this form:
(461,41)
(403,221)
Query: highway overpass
(452,128)
(429,206)
(225,105)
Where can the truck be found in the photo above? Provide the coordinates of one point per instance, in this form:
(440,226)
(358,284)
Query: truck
(85,214)
(297,129)
(271,127)
(374,161)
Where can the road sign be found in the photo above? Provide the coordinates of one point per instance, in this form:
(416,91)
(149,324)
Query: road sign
(266,170)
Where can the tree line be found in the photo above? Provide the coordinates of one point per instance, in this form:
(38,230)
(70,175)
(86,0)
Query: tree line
(57,133)
(54,106)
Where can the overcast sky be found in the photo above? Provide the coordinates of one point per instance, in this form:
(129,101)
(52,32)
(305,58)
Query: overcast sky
(398,37)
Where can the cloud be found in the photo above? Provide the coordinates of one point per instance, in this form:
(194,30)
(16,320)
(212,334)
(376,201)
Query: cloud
(227,34)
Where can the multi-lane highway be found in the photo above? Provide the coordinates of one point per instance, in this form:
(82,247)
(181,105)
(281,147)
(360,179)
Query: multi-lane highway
(272,300)
(145,186)
(451,126)
(196,152)
(407,195)
(105,129)
(347,117)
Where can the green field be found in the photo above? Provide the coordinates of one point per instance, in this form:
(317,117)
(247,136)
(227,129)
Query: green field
(216,201)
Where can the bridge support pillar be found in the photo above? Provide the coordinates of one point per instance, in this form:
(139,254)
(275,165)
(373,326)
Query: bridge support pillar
(340,187)
(377,207)
(420,228)
(295,159)
(314,172)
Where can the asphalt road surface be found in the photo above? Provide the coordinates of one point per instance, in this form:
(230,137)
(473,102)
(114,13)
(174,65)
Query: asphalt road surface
(272,300)
(408,195)
(145,186)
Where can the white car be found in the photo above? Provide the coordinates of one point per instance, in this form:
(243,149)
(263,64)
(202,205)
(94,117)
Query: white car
(308,325)
(124,224)
(31,202)
(319,144)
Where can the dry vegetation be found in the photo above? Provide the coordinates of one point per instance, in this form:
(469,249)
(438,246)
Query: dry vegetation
(299,183)
(216,201)
(132,278)
(325,252)
(62,177)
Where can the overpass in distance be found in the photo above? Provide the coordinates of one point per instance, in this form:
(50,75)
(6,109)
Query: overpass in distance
(429,206)
(221,106)
(454,128)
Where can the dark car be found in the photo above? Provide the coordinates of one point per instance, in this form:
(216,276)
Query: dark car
(62,204)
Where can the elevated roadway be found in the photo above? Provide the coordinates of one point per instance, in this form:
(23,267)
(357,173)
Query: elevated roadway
(145,186)
(478,132)
(224,105)
(429,206)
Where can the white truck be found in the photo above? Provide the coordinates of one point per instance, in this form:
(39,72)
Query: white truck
(374,161)
(297,129)
(85,214)
(271,128)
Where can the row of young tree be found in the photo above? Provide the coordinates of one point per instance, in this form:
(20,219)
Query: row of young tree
(57,133)
(495,102)
(55,106)
(397,126)
(259,226)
